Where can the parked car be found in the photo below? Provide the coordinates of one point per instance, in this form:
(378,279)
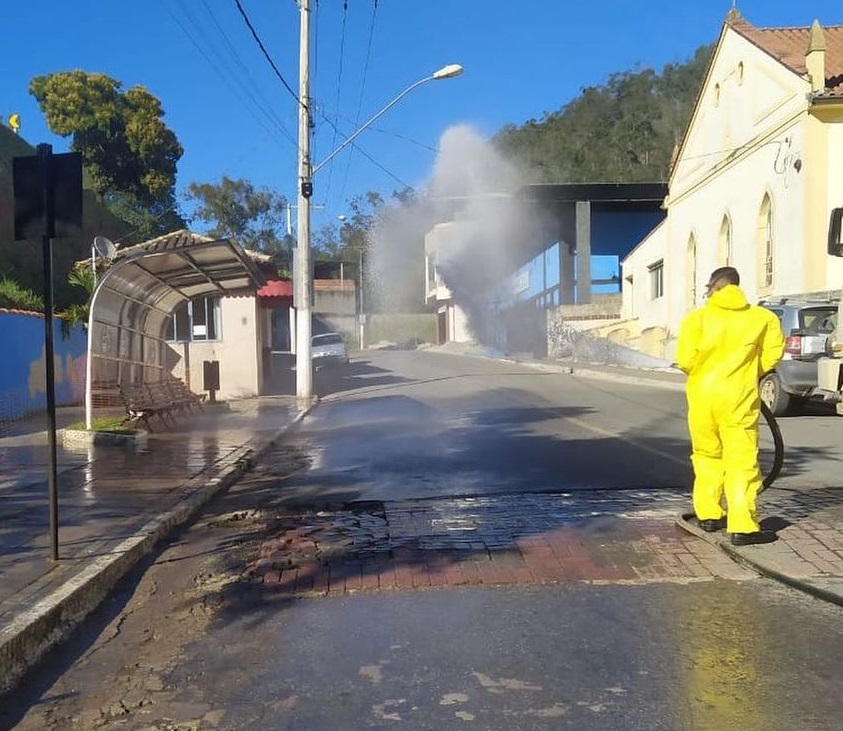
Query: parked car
(328,349)
(807,326)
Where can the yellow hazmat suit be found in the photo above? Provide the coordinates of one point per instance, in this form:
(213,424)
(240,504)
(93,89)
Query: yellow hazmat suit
(725,347)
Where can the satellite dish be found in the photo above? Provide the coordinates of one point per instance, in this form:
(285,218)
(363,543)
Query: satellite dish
(105,247)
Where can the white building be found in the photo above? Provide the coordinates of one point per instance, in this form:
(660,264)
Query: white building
(755,180)
(451,320)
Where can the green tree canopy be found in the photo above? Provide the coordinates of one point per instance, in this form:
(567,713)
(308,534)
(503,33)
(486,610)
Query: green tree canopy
(356,228)
(130,156)
(124,143)
(253,217)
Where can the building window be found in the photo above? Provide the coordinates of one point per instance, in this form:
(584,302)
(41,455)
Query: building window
(691,274)
(197,319)
(725,242)
(656,279)
(765,243)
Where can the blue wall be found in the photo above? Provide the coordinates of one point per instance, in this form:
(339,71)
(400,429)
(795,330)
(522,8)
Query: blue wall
(616,233)
(542,274)
(23,369)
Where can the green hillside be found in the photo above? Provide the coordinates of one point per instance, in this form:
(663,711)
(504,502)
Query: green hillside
(623,131)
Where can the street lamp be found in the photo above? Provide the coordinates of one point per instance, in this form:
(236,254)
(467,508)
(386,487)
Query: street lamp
(301,273)
(446,72)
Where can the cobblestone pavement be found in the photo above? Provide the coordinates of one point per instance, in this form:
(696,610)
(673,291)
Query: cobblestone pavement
(596,537)
(809,551)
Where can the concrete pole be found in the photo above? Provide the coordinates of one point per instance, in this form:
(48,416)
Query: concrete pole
(361,317)
(583,238)
(303,281)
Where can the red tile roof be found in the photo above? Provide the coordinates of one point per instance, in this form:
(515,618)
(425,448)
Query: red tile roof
(276,288)
(789,45)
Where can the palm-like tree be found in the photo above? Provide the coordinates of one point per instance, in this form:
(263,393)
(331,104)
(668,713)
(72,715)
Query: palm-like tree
(84,277)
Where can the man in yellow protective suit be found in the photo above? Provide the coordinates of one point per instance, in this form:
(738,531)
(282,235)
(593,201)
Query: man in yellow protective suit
(725,347)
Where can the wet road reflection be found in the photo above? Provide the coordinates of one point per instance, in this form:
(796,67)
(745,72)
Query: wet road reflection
(107,491)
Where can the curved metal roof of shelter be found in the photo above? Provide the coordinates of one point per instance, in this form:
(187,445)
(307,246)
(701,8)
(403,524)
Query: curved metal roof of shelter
(134,300)
(188,265)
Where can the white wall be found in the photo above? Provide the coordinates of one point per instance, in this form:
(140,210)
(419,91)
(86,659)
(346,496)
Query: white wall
(736,192)
(435,244)
(748,133)
(459,328)
(637,300)
(238,350)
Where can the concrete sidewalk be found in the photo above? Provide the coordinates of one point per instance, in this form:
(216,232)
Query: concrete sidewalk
(114,505)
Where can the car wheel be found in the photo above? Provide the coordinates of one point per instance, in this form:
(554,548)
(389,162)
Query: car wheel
(772,394)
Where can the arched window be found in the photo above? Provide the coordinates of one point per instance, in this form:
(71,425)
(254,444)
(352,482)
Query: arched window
(764,242)
(691,273)
(724,242)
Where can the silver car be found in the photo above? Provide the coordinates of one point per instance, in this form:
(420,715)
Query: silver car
(807,326)
(328,349)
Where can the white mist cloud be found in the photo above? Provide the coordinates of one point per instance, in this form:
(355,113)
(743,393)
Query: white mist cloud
(467,165)
(472,186)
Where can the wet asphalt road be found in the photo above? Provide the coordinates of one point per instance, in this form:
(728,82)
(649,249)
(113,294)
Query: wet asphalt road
(404,424)
(701,656)
(192,642)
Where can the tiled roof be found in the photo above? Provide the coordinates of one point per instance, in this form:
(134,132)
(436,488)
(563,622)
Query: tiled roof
(276,288)
(789,46)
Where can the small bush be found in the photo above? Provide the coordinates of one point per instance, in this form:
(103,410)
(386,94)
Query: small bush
(15,297)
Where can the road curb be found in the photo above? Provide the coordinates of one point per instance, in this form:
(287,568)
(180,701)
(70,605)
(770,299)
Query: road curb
(38,629)
(625,378)
(808,586)
(596,374)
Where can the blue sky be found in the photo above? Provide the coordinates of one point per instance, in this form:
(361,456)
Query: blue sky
(233,115)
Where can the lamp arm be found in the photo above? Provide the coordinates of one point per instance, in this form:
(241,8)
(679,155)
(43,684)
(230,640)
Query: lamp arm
(348,140)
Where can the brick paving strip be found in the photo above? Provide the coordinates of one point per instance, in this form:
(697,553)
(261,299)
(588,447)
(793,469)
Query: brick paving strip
(595,537)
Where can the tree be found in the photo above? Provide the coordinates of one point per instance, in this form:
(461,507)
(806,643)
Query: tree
(144,222)
(129,154)
(235,209)
(622,131)
(356,228)
(83,277)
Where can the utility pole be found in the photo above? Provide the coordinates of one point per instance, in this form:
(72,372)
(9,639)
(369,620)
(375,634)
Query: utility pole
(302,273)
(288,207)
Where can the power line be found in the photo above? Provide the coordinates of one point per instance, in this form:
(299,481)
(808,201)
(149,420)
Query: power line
(265,52)
(339,87)
(382,131)
(237,90)
(366,154)
(258,96)
(362,90)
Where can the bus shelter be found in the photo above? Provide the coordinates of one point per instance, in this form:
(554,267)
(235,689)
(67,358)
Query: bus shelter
(132,306)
